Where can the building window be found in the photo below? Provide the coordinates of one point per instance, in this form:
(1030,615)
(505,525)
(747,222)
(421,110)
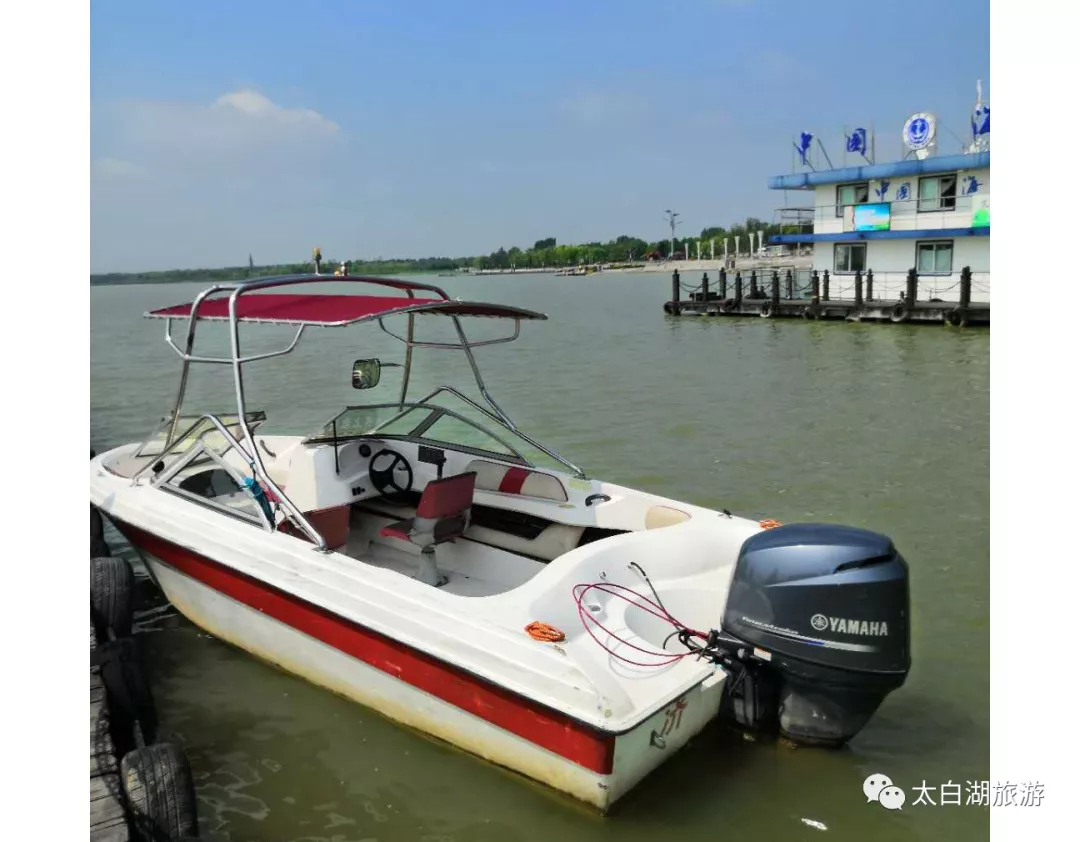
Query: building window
(937,193)
(849,258)
(934,258)
(851,194)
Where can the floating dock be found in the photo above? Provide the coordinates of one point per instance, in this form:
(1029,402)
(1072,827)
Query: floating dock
(777,297)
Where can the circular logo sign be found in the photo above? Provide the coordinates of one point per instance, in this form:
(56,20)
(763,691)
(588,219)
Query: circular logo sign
(919,130)
(819,622)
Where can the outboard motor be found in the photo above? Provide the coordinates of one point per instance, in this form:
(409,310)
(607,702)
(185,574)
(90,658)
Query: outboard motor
(824,611)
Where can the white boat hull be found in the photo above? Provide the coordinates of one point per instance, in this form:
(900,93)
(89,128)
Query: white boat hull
(617,761)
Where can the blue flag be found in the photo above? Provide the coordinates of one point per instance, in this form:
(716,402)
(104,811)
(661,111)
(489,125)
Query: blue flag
(805,139)
(856,141)
(980,120)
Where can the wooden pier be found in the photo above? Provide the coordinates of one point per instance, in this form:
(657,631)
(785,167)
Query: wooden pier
(108,813)
(776,297)
(141,789)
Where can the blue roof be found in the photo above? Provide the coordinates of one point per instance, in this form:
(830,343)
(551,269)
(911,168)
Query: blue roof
(928,166)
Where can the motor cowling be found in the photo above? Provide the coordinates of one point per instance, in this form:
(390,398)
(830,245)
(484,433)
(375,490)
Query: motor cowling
(824,611)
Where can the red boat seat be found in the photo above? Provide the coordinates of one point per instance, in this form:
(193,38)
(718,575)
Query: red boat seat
(441,515)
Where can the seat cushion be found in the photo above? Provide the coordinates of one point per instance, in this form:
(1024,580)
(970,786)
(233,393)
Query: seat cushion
(402,530)
(522,482)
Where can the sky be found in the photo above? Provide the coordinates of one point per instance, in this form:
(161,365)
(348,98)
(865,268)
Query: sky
(422,128)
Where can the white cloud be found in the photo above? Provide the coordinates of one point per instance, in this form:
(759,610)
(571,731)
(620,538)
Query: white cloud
(241,129)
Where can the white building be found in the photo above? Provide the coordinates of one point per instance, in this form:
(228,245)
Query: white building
(931,214)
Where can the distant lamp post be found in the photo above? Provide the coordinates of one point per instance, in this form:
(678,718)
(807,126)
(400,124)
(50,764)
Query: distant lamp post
(673,220)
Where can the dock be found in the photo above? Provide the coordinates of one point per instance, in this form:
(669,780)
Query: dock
(108,813)
(774,296)
(141,789)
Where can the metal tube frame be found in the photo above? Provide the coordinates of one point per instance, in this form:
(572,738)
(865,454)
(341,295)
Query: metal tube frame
(254,458)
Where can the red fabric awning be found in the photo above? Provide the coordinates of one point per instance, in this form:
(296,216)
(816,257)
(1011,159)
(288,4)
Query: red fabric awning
(335,310)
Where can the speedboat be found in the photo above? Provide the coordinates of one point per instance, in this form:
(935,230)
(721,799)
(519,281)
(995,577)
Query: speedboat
(428,559)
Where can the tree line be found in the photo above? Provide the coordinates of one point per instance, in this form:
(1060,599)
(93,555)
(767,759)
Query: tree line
(543,253)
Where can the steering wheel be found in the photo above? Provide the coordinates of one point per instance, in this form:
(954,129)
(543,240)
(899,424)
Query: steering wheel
(384,478)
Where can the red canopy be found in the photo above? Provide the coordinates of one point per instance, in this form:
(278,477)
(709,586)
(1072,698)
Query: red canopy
(334,310)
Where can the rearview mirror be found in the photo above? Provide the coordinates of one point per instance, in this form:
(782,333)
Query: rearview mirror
(365,374)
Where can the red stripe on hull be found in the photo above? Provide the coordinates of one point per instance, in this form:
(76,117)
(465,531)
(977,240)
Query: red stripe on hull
(546,728)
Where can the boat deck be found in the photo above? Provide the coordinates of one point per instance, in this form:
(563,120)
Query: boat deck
(472,569)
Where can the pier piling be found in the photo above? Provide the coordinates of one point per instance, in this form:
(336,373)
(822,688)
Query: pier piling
(810,295)
(965,296)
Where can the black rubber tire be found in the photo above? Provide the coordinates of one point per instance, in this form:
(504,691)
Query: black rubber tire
(810,312)
(954,317)
(160,793)
(112,587)
(728,305)
(97,525)
(130,701)
(667,307)
(766,310)
(898,314)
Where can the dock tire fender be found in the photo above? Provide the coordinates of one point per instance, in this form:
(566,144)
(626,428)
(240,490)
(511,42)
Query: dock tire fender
(112,586)
(97,525)
(668,308)
(160,792)
(809,312)
(954,317)
(898,313)
(131,703)
(99,548)
(727,305)
(767,310)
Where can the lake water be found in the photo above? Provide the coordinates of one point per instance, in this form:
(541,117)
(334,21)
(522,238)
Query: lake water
(881,426)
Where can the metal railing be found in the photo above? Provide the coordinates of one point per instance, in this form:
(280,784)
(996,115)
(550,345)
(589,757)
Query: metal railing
(960,209)
(797,283)
(191,453)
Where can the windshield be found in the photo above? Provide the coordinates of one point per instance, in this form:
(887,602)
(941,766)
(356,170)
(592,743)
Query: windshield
(424,423)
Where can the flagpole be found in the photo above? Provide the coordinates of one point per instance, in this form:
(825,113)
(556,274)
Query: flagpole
(845,145)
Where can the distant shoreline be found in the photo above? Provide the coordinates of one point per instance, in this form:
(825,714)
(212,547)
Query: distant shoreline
(742,263)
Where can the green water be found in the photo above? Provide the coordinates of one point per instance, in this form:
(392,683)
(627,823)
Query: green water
(881,426)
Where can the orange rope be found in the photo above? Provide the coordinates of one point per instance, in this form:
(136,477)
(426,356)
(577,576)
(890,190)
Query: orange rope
(544,633)
(769,523)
